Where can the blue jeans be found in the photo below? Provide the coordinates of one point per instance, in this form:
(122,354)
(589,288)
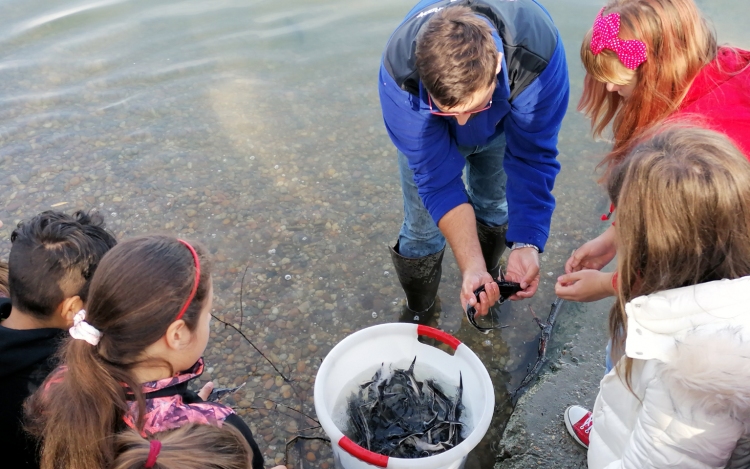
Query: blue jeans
(484,178)
(608,365)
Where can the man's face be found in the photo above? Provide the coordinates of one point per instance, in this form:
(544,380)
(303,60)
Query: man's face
(479,101)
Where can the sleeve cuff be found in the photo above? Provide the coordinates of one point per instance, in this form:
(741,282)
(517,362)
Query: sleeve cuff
(526,234)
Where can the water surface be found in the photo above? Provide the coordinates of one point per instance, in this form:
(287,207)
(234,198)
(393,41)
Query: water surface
(254,127)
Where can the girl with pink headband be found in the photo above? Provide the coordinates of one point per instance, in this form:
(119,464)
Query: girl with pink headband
(649,62)
(131,356)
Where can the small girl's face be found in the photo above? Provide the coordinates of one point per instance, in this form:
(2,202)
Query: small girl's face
(202,331)
(623,90)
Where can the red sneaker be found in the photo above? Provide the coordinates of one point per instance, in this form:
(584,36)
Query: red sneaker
(579,422)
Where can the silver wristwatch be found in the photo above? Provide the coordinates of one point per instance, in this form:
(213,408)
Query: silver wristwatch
(523,245)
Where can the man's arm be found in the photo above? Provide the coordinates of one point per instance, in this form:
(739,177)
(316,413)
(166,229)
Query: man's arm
(531,131)
(460,229)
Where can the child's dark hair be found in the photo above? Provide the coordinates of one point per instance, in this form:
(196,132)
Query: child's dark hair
(53,257)
(136,294)
(189,447)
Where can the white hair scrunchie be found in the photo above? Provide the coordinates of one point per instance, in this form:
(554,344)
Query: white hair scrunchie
(84,331)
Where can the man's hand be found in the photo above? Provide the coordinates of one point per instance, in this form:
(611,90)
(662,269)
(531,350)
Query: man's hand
(585,285)
(473,279)
(523,267)
(460,229)
(595,254)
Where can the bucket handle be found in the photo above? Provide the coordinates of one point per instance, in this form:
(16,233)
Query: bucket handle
(437,334)
(363,454)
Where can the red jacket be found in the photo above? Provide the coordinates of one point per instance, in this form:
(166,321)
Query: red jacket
(719,98)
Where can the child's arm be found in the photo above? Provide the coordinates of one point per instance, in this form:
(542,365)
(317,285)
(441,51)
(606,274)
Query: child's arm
(594,254)
(586,285)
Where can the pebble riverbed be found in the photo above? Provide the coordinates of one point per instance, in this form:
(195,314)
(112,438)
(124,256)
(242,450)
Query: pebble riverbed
(257,132)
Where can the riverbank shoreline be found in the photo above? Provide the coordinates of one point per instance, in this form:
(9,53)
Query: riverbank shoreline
(535,435)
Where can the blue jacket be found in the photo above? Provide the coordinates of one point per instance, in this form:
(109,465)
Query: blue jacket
(529,107)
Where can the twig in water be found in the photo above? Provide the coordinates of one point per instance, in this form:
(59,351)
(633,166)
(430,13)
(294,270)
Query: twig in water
(227,324)
(284,414)
(301,437)
(242,290)
(291,408)
(541,358)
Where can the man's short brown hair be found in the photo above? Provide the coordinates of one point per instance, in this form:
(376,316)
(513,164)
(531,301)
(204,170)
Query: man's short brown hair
(456,55)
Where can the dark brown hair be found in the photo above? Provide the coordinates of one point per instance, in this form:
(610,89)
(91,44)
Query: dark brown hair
(456,55)
(136,293)
(683,217)
(53,257)
(678,42)
(189,447)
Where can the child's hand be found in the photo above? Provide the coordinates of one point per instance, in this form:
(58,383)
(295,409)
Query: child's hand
(585,285)
(595,254)
(206,390)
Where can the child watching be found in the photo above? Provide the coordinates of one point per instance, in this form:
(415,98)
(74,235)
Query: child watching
(680,328)
(650,61)
(137,347)
(189,447)
(52,259)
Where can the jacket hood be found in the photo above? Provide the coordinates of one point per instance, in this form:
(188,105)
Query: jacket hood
(701,336)
(728,63)
(21,349)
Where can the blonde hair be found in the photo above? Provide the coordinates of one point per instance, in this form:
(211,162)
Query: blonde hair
(679,43)
(190,447)
(4,292)
(683,217)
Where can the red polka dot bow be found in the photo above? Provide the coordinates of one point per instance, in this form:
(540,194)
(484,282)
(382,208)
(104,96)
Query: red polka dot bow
(631,53)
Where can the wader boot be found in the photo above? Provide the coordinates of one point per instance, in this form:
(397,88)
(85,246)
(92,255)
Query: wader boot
(420,279)
(492,241)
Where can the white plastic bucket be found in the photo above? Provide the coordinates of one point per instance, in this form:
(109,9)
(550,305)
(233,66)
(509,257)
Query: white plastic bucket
(397,343)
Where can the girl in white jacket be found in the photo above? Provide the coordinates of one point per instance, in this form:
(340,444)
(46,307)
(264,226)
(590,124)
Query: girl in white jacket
(679,396)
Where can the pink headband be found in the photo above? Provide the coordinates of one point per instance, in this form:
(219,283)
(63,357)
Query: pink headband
(195,284)
(631,53)
(153,453)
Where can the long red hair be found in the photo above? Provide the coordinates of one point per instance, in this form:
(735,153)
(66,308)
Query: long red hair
(678,42)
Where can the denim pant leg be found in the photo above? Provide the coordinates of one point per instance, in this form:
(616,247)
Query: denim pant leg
(485,182)
(419,234)
(608,365)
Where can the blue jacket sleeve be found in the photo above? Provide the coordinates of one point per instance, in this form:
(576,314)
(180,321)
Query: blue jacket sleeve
(425,140)
(531,131)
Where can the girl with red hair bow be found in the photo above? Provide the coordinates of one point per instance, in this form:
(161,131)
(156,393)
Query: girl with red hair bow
(648,62)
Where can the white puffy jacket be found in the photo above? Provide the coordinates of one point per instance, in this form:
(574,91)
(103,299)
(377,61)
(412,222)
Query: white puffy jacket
(690,402)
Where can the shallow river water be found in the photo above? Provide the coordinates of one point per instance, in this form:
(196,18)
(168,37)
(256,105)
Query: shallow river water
(254,127)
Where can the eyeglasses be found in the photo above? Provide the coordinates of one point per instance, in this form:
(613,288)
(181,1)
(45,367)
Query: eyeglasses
(453,114)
